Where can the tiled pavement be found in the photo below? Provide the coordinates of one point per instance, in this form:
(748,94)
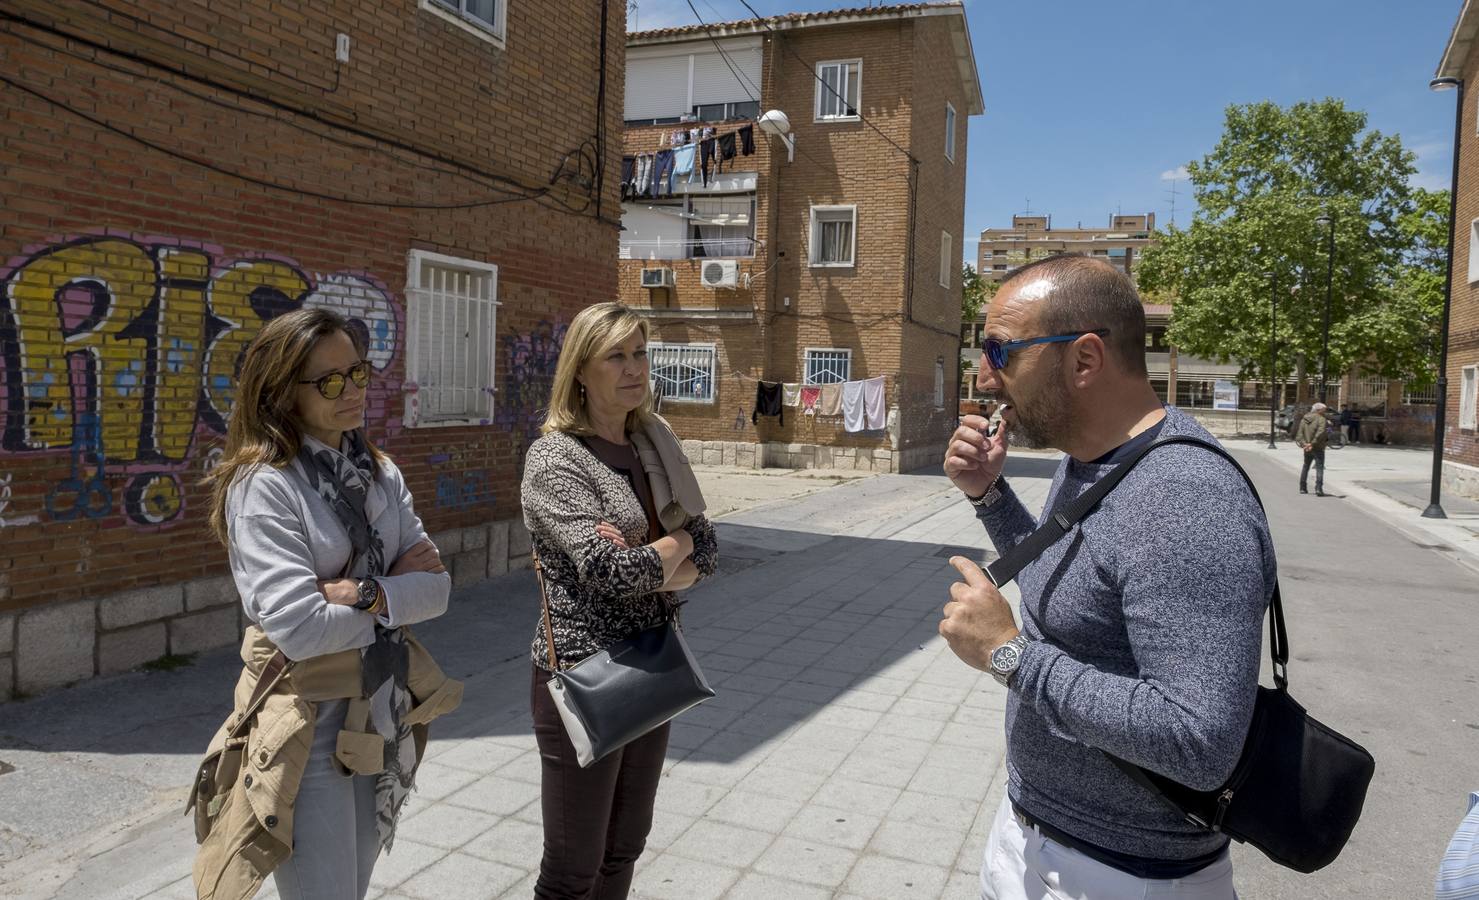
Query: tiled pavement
(847,754)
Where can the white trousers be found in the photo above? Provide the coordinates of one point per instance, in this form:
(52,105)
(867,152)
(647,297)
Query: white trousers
(1024,865)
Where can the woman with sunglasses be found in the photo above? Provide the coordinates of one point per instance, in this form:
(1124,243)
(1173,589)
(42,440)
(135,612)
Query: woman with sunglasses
(331,563)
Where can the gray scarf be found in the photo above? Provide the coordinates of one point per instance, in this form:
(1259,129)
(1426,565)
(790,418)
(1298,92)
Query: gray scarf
(343,478)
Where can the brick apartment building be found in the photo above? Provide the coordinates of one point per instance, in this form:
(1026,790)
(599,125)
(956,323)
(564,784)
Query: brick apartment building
(1034,237)
(837,262)
(1461,431)
(175,175)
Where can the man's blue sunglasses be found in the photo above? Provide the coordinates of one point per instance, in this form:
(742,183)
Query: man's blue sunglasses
(996,350)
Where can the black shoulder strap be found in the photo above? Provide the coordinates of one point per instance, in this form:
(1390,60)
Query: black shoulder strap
(1059,524)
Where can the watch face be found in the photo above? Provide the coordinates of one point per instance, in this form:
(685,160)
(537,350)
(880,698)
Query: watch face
(1005,657)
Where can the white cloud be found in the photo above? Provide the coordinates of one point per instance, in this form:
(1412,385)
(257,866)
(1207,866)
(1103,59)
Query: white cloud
(1177,174)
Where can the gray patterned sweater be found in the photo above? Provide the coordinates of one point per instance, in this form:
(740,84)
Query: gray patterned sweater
(1146,624)
(598,593)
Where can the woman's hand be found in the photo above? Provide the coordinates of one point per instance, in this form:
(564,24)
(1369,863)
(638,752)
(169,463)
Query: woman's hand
(613,534)
(340,591)
(421,558)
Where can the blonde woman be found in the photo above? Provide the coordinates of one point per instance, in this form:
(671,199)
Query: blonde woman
(609,567)
(331,563)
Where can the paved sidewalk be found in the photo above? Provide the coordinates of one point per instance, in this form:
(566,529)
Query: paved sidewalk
(848,753)
(1390,483)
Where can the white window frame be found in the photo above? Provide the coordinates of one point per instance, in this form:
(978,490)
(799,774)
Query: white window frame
(453,11)
(1474,251)
(710,350)
(947,250)
(1468,400)
(423,410)
(821,90)
(814,251)
(949,131)
(833,355)
(939,382)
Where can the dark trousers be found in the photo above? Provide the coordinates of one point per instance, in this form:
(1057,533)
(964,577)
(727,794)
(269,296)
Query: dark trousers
(1318,458)
(596,819)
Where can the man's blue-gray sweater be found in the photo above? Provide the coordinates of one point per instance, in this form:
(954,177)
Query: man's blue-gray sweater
(1145,624)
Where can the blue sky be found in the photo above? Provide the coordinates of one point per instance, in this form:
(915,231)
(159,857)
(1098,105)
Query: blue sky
(1091,106)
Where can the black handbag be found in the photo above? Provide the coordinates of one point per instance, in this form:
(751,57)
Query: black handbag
(1299,785)
(618,694)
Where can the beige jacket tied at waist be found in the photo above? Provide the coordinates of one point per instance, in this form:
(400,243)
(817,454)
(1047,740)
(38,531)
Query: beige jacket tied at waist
(245,823)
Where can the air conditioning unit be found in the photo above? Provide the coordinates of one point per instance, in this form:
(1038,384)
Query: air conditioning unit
(657,278)
(721,273)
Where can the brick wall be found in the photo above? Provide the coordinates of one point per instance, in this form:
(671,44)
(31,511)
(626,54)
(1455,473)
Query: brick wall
(863,307)
(1461,445)
(133,280)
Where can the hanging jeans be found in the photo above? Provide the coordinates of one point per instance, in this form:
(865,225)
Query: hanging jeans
(596,819)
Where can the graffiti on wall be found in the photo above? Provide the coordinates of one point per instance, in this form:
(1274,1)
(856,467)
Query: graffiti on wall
(461,484)
(531,374)
(5,505)
(121,352)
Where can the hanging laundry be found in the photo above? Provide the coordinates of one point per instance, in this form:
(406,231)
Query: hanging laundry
(831,402)
(644,175)
(874,415)
(811,399)
(747,140)
(791,394)
(682,165)
(852,406)
(726,149)
(768,402)
(678,138)
(706,157)
(628,174)
(662,171)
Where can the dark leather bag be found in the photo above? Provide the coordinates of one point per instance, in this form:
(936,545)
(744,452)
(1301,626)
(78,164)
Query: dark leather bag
(618,694)
(1299,785)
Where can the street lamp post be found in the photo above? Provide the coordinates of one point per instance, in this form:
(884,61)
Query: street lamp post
(1329,222)
(1273,358)
(1440,415)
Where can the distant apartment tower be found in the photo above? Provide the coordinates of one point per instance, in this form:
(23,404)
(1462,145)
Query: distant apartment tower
(1033,237)
(837,259)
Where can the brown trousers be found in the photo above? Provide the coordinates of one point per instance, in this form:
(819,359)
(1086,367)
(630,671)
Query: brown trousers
(596,819)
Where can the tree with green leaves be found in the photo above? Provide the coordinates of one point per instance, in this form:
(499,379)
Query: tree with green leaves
(1261,193)
(975,293)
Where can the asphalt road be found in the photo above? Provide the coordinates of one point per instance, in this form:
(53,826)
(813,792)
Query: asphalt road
(1382,633)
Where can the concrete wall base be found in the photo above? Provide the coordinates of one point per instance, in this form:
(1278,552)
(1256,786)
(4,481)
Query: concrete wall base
(59,644)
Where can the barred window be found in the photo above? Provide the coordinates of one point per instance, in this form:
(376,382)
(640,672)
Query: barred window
(682,371)
(827,365)
(451,316)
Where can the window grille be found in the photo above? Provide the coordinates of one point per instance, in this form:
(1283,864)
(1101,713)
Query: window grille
(827,366)
(682,371)
(451,319)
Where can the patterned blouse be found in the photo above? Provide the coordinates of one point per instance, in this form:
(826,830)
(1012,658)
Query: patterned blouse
(598,593)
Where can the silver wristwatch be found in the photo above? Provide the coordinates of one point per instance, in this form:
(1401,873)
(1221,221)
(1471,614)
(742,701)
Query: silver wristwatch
(993,494)
(1006,658)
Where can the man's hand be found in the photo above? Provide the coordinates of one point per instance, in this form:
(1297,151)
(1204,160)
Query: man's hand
(978,618)
(973,460)
(421,558)
(339,591)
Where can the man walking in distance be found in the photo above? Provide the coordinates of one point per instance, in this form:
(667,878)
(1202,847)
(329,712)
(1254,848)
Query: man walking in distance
(1312,436)
(1140,629)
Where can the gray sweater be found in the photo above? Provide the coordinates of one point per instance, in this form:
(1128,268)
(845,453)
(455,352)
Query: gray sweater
(1145,625)
(284,537)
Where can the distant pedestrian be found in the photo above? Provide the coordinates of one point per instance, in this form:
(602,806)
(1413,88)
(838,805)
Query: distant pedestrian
(1311,437)
(610,567)
(1142,642)
(1345,419)
(1353,433)
(331,563)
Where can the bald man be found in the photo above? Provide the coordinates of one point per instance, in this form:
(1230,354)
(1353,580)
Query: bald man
(1141,628)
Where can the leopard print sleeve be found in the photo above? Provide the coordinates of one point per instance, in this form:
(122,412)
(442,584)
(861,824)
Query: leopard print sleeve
(705,545)
(562,508)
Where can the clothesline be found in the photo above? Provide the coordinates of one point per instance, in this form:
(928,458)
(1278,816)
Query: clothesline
(859,403)
(648,174)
